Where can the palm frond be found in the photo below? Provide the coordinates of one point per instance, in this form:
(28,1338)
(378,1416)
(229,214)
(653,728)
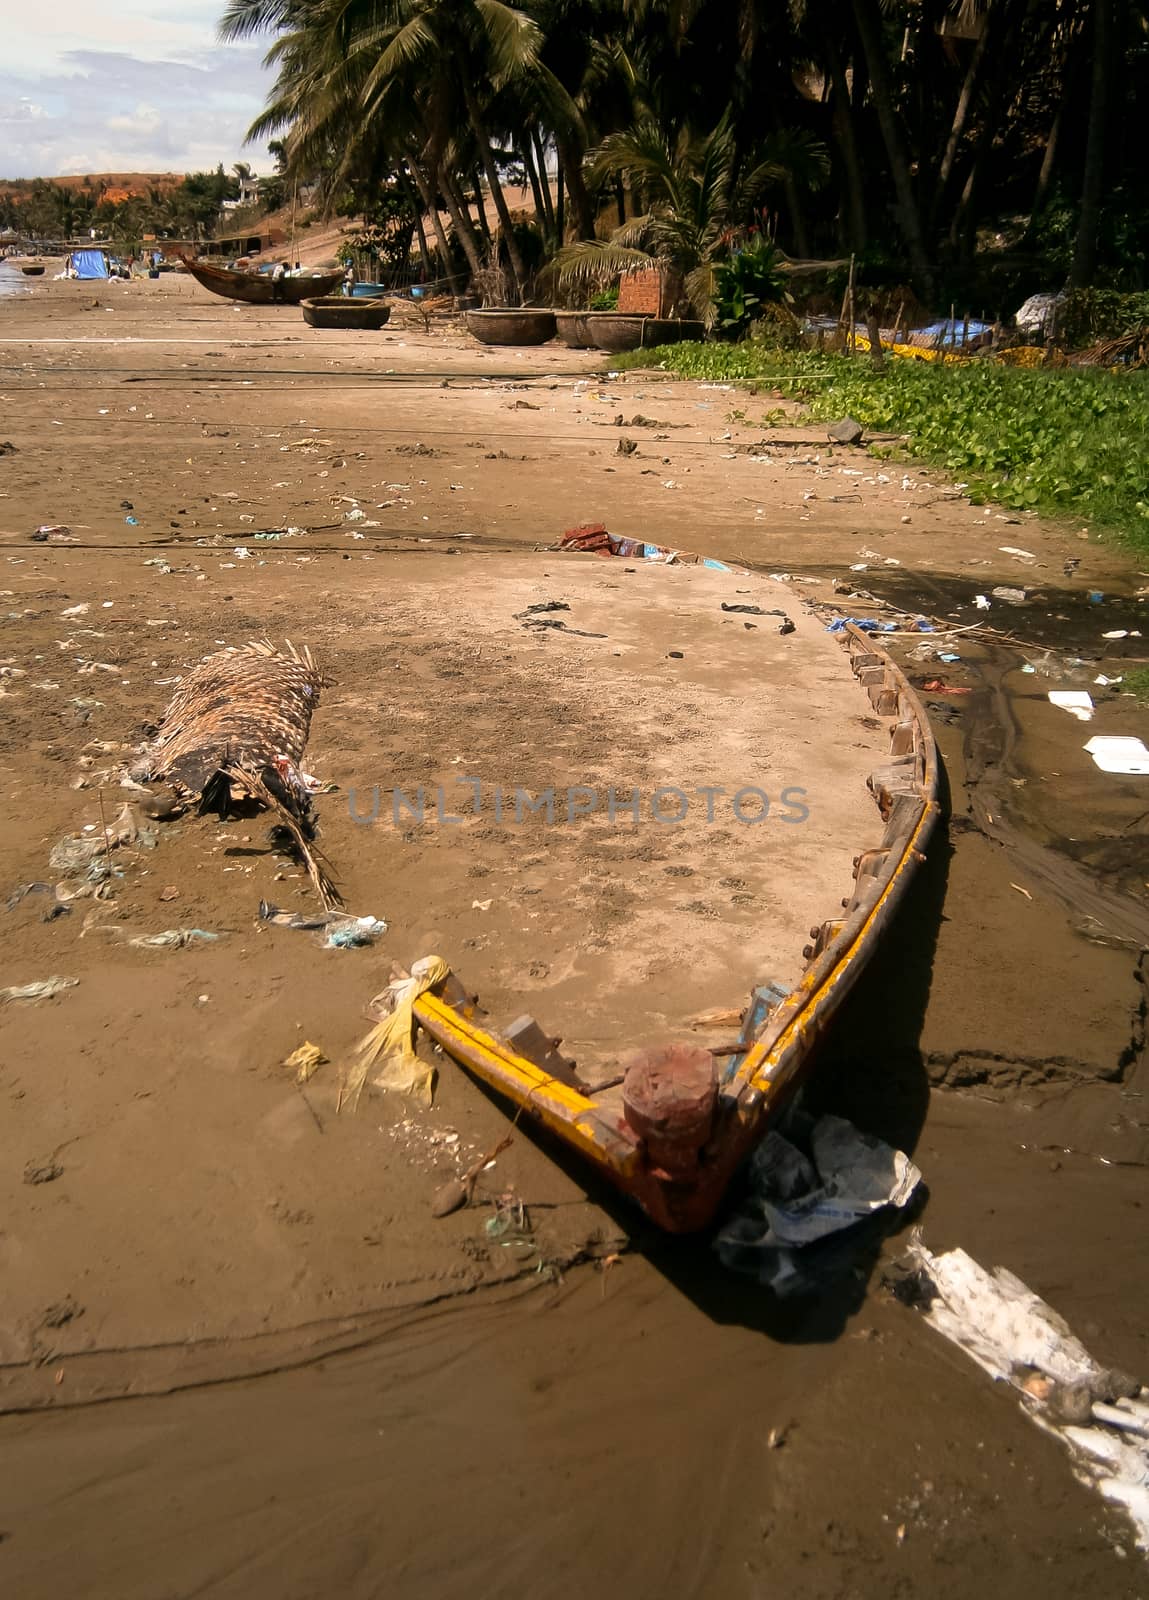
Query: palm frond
(593,264)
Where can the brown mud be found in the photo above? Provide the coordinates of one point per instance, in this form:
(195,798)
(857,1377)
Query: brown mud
(308,1386)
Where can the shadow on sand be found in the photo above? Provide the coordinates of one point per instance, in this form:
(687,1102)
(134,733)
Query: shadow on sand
(870,1070)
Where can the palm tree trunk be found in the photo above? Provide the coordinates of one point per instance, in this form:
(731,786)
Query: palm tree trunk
(844,132)
(570,156)
(514,255)
(415,202)
(869,26)
(544,182)
(1093,186)
(560,203)
(533,179)
(461,218)
(793,202)
(480,206)
(961,111)
(1048,161)
(431,205)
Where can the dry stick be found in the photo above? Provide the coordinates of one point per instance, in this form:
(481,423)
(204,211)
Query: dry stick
(104,825)
(898,320)
(853,344)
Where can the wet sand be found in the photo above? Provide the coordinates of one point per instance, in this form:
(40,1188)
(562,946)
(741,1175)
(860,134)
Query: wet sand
(491,1426)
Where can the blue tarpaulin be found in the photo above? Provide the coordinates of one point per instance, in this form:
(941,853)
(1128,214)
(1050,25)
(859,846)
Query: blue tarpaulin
(90,263)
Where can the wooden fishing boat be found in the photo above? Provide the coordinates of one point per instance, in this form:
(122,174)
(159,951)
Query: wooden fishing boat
(337,311)
(259,288)
(673,1124)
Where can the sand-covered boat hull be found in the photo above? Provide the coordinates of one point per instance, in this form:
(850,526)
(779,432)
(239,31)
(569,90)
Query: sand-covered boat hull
(680,1182)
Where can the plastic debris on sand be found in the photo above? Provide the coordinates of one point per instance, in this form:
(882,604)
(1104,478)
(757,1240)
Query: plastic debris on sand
(1100,1416)
(45,989)
(1077,702)
(305,1062)
(1124,755)
(797,1201)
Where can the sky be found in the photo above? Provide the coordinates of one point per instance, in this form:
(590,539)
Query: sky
(124,86)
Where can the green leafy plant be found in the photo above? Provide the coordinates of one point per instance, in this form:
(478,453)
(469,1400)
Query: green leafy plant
(1055,441)
(605,300)
(745,285)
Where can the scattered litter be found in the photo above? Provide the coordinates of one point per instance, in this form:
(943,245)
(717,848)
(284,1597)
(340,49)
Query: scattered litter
(948,655)
(796,1201)
(1095,597)
(54,533)
(1015,597)
(1107,683)
(75,856)
(754,611)
(1012,550)
(1100,1415)
(940,686)
(981,602)
(305,1062)
(390,1044)
(1020,890)
(864,624)
(1124,755)
(45,989)
(76,611)
(353,933)
(1077,702)
(343,931)
(1116,633)
(169,939)
(510,1226)
(481,905)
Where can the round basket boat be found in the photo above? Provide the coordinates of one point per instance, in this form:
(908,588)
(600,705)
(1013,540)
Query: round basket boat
(573,330)
(622,330)
(337,311)
(511,325)
(33,271)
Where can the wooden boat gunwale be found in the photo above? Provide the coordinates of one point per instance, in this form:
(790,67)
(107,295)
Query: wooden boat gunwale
(905,791)
(260,289)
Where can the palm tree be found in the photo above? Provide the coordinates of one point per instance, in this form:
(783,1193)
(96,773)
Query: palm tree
(699,193)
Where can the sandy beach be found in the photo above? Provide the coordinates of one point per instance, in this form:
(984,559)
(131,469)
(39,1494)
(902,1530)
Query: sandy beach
(232,1329)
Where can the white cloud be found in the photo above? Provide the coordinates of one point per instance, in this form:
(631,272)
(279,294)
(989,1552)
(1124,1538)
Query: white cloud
(171,99)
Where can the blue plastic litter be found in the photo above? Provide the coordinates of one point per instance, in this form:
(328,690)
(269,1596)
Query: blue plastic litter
(866,624)
(133,522)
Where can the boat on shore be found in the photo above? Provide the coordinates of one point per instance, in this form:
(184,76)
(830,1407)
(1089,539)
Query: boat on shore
(671,1125)
(261,289)
(339,311)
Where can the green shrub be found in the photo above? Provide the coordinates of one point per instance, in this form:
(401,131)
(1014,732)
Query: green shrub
(1069,442)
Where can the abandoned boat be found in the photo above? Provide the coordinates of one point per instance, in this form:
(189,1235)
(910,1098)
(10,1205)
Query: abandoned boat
(669,1124)
(260,288)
